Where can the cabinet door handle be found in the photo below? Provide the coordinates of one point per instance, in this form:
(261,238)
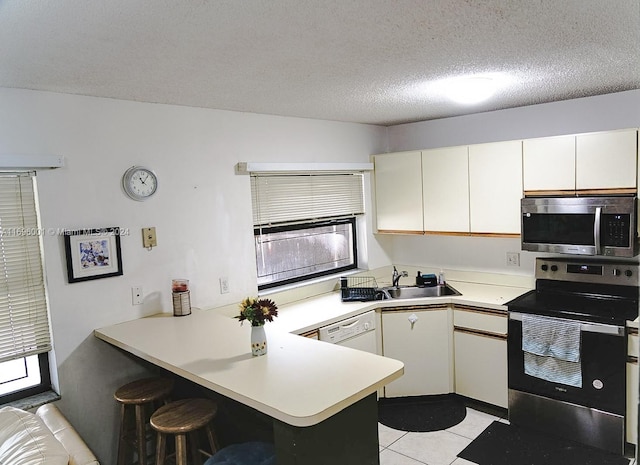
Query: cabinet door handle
(412,319)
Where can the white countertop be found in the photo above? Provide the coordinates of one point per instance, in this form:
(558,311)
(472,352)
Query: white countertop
(299,381)
(309,314)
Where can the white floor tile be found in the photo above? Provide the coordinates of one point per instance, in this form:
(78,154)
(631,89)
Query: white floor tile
(435,448)
(460,461)
(389,457)
(473,424)
(388,435)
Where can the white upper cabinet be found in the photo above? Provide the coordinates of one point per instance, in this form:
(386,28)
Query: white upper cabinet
(495,187)
(398,188)
(549,163)
(606,160)
(599,160)
(445,189)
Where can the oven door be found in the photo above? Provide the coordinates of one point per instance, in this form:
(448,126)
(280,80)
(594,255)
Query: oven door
(603,363)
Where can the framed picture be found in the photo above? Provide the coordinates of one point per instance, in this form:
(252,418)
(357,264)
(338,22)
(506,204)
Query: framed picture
(93,254)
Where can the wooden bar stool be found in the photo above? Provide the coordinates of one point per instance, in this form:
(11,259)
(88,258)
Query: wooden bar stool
(144,395)
(183,418)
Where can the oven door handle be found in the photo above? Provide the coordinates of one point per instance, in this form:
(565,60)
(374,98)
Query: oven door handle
(584,327)
(596,230)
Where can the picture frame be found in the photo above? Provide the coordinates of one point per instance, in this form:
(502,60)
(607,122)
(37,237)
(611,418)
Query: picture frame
(93,254)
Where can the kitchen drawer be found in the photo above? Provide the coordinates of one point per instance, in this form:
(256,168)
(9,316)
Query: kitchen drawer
(633,345)
(479,319)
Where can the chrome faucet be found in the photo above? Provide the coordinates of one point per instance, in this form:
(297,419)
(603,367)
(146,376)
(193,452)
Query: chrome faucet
(395,278)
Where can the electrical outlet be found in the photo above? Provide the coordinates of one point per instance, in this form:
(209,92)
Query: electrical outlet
(224,285)
(136,295)
(513,259)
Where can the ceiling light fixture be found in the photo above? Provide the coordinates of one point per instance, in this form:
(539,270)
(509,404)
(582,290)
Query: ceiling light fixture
(470,90)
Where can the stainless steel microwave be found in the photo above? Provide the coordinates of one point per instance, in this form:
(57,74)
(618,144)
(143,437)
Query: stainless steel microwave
(580,225)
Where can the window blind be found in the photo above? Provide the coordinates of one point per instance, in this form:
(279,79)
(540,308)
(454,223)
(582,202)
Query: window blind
(24,321)
(283,199)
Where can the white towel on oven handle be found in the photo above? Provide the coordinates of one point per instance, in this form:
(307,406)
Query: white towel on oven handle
(551,337)
(553,369)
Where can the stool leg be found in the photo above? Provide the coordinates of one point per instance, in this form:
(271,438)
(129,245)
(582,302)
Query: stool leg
(161,449)
(213,442)
(181,449)
(122,441)
(195,452)
(141,434)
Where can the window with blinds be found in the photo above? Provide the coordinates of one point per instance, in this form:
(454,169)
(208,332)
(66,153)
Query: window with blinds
(24,319)
(304,225)
(281,199)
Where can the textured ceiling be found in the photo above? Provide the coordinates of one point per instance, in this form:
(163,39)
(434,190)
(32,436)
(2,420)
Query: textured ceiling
(369,61)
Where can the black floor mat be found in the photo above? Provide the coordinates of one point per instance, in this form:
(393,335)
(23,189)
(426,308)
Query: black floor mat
(421,413)
(502,444)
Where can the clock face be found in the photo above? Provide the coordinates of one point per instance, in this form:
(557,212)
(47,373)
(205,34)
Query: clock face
(139,183)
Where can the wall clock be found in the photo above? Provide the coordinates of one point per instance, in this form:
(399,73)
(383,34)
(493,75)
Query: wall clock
(139,183)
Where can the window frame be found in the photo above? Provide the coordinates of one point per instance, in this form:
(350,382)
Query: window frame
(43,386)
(257,231)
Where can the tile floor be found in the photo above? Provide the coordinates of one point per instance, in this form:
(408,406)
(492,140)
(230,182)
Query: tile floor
(434,448)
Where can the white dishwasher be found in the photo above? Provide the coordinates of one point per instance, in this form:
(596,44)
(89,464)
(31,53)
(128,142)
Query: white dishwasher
(358,332)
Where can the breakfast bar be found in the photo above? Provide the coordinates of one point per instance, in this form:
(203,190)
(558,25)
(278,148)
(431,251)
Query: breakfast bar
(321,397)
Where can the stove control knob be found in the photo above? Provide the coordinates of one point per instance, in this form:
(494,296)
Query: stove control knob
(617,272)
(554,267)
(544,267)
(628,273)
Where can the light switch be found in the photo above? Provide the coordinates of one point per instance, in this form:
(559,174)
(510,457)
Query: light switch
(149,237)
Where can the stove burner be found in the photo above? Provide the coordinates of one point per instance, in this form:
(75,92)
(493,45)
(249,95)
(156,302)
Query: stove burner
(596,291)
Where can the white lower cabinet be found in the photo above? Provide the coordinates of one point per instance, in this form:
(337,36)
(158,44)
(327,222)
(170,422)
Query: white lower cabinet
(481,367)
(632,403)
(632,388)
(420,337)
(480,354)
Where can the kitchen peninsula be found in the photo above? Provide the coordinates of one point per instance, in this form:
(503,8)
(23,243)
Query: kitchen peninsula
(321,397)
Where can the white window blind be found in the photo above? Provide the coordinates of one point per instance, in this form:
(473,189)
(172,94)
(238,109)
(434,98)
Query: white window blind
(282,199)
(24,322)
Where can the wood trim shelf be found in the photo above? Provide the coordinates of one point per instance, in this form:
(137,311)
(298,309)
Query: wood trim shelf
(581,192)
(476,332)
(393,231)
(449,233)
(414,308)
(483,310)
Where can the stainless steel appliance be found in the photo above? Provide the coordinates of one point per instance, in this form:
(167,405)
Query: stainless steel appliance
(580,225)
(583,400)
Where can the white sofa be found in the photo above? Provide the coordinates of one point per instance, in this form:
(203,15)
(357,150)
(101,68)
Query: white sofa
(45,437)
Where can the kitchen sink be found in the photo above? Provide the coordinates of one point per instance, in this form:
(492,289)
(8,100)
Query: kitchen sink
(416,292)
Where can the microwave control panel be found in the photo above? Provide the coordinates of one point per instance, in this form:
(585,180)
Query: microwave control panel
(615,230)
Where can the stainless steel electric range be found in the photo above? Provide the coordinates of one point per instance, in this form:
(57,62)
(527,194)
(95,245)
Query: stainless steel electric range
(567,348)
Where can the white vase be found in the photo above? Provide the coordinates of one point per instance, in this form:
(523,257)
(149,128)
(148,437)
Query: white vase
(258,340)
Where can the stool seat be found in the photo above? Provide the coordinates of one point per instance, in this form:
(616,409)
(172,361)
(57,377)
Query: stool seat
(181,418)
(137,400)
(143,391)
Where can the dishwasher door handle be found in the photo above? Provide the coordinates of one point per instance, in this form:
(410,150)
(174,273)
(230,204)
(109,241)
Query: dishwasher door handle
(350,325)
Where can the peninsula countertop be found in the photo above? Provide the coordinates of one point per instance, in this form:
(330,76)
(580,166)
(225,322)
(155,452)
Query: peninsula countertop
(299,381)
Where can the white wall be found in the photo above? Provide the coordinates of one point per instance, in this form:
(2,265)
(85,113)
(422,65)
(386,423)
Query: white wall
(600,113)
(202,215)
